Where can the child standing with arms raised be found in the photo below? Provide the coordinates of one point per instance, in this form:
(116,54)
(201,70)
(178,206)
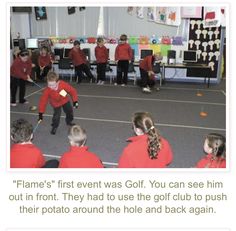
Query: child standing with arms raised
(101,54)
(123,55)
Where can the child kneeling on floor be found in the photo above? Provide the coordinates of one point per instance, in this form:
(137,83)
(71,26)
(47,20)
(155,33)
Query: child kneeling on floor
(57,93)
(78,156)
(24,154)
(215,148)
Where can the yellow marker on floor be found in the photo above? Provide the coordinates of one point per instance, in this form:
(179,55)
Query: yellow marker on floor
(199,94)
(203,113)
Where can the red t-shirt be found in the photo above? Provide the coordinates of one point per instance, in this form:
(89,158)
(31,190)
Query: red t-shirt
(26,156)
(101,54)
(20,69)
(54,97)
(44,61)
(123,52)
(79,157)
(147,63)
(135,155)
(77,56)
(210,161)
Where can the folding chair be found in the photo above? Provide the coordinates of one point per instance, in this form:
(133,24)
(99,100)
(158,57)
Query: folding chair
(64,67)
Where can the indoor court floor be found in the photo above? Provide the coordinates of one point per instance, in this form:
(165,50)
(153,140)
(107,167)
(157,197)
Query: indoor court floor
(105,112)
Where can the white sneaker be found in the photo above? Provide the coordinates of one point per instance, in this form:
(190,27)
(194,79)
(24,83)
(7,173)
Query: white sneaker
(158,89)
(123,85)
(99,82)
(102,82)
(115,84)
(13,104)
(146,90)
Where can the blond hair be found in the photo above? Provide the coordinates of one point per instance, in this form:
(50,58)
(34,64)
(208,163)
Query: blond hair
(77,135)
(52,76)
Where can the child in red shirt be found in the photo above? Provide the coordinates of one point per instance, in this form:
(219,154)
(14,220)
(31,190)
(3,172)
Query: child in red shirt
(123,55)
(20,73)
(24,154)
(147,72)
(78,156)
(44,63)
(80,62)
(147,149)
(101,54)
(215,149)
(57,94)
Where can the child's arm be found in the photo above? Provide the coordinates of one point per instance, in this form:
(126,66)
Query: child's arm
(130,53)
(72,92)
(43,103)
(117,53)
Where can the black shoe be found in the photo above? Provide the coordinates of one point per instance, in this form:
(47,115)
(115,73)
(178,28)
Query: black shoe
(53,131)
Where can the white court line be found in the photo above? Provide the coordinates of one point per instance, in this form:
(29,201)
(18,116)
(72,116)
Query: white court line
(149,99)
(58,157)
(171,88)
(35,92)
(128,122)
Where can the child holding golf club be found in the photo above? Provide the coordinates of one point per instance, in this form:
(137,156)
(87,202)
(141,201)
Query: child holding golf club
(57,94)
(24,154)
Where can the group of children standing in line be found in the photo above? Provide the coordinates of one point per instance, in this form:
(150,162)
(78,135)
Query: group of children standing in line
(147,149)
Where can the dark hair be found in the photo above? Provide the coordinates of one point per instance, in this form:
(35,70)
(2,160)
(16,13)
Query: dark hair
(100,39)
(217,143)
(52,76)
(77,135)
(123,37)
(144,121)
(44,48)
(21,131)
(23,53)
(76,42)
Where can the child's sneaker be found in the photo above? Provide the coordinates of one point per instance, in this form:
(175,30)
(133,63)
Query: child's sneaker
(146,90)
(158,89)
(53,131)
(99,82)
(13,104)
(123,85)
(24,102)
(115,84)
(102,82)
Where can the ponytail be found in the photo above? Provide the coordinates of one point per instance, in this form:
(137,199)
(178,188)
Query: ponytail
(144,121)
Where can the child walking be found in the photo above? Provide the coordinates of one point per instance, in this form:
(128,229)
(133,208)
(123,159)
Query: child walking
(79,156)
(123,55)
(57,94)
(24,154)
(20,73)
(80,62)
(147,149)
(101,54)
(215,148)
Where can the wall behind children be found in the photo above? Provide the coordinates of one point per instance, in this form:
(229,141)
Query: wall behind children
(85,23)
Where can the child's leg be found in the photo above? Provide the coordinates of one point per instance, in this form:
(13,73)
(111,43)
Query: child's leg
(99,71)
(125,70)
(56,117)
(103,71)
(119,72)
(67,108)
(78,73)
(14,84)
(87,71)
(22,91)
(144,77)
(45,72)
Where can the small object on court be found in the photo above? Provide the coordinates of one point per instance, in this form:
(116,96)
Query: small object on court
(33,108)
(199,94)
(203,113)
